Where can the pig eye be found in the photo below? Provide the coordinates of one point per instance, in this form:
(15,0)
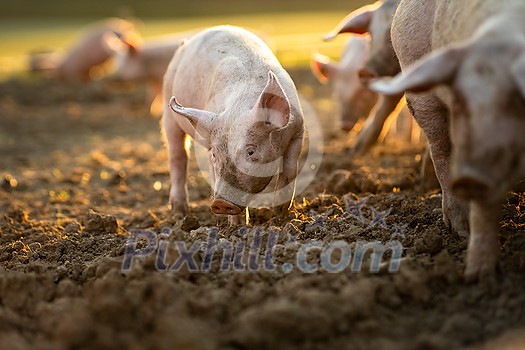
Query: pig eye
(250,151)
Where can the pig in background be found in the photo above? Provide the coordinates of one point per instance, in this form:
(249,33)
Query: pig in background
(146,61)
(355,101)
(43,62)
(84,59)
(471,72)
(88,52)
(143,62)
(376,21)
(374,59)
(231,94)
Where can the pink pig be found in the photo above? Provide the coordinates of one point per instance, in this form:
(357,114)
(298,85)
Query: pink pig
(354,99)
(89,50)
(471,71)
(378,59)
(226,89)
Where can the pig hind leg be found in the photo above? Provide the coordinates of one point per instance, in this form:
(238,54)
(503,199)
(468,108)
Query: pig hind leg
(432,117)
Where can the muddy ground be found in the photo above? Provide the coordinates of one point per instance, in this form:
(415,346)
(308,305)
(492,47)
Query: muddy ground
(82,166)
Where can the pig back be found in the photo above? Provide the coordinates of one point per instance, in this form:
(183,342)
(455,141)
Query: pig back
(223,67)
(457,20)
(412,30)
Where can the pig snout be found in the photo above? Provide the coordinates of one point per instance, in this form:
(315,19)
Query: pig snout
(350,115)
(469,186)
(223,207)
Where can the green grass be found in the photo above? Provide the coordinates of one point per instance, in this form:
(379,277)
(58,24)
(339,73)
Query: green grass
(294,35)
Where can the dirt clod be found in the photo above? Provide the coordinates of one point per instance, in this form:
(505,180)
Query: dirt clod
(100,223)
(190,223)
(430,242)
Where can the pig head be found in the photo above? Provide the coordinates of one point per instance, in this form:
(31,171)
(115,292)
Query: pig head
(248,145)
(484,82)
(354,100)
(376,20)
(128,61)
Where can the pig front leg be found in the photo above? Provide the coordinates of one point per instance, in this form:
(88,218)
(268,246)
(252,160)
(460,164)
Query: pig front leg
(178,163)
(368,136)
(432,117)
(483,249)
(284,195)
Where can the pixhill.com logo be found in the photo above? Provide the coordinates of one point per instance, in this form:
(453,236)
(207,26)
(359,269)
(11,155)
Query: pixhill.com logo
(258,249)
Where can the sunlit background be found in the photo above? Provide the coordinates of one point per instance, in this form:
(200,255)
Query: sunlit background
(295,27)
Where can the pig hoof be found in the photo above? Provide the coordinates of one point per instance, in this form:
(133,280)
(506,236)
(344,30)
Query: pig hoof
(480,272)
(362,145)
(429,181)
(179,208)
(455,216)
(281,210)
(456,224)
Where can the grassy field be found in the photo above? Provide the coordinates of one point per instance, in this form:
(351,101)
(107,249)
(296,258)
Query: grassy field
(18,9)
(294,35)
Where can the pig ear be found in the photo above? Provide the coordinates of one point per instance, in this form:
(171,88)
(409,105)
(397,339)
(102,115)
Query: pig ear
(112,43)
(132,41)
(356,22)
(274,101)
(322,67)
(203,121)
(518,73)
(436,69)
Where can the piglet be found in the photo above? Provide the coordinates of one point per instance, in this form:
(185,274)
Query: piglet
(89,50)
(377,59)
(354,99)
(226,89)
